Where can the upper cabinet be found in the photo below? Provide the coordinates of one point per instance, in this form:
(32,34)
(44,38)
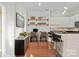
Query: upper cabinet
(61,22)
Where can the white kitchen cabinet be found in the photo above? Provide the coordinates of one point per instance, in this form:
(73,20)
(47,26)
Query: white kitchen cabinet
(59,48)
(70,47)
(61,22)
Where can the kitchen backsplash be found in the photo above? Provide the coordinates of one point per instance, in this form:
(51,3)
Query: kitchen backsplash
(65,29)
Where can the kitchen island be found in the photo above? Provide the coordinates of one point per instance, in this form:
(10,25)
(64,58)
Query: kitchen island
(70,44)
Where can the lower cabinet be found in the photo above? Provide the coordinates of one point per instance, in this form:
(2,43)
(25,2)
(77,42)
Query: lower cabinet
(21,46)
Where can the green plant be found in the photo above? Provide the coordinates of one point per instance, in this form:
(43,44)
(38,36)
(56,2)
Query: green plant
(23,34)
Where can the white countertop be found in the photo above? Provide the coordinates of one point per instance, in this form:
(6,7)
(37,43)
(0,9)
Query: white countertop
(66,32)
(21,38)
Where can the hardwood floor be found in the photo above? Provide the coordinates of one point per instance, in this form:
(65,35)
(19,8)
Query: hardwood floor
(40,50)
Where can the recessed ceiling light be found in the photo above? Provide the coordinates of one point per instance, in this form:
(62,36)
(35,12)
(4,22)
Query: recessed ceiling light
(66,8)
(39,4)
(63,12)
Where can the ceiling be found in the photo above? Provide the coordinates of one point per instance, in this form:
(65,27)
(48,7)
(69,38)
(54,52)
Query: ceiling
(55,8)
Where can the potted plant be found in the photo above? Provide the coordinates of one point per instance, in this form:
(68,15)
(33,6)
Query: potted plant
(23,34)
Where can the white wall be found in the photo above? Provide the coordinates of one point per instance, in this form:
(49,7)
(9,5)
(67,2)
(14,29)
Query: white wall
(55,21)
(22,11)
(4,31)
(10,30)
(61,22)
(39,14)
(0,31)
(64,21)
(75,18)
(9,24)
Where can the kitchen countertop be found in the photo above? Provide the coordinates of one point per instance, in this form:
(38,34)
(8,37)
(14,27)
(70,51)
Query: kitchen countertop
(69,32)
(21,38)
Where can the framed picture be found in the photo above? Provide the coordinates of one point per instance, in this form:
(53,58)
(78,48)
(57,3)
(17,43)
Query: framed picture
(19,20)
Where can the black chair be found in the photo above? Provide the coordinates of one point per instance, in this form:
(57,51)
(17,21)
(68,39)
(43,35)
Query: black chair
(54,36)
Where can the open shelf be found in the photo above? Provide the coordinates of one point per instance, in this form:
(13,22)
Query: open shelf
(38,22)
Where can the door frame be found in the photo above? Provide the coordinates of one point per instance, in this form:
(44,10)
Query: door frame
(3,49)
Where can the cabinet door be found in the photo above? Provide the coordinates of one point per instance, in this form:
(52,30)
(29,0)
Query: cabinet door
(19,47)
(70,48)
(60,47)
